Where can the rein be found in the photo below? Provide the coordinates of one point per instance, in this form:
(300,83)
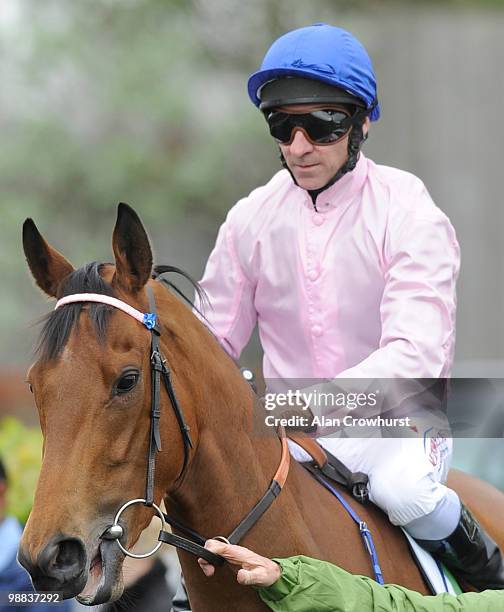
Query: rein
(194,542)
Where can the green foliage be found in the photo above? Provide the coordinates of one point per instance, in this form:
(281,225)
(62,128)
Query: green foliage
(21,452)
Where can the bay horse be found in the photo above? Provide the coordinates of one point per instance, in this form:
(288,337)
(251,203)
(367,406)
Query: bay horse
(92,388)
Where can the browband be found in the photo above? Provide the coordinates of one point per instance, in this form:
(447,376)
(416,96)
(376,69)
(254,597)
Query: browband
(148,319)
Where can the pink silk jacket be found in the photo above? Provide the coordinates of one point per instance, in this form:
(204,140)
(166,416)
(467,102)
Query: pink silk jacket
(363,288)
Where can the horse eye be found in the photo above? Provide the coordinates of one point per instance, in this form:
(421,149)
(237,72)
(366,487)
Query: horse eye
(30,387)
(126,382)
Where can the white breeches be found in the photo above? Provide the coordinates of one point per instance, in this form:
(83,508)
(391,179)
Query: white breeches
(406,475)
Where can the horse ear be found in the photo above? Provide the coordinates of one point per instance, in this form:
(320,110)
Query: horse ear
(47,266)
(133,254)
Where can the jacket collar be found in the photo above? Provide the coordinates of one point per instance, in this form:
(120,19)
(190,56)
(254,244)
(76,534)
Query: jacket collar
(343,190)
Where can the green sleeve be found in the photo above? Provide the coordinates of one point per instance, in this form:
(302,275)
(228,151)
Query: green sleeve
(309,585)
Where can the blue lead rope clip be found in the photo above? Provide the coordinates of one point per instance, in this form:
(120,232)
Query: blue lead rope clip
(150,320)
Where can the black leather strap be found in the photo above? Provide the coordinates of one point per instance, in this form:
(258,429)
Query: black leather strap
(187,531)
(255,514)
(160,368)
(354,482)
(244,526)
(155,438)
(190,547)
(184,428)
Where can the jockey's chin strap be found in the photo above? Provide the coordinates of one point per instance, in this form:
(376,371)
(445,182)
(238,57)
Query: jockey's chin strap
(194,543)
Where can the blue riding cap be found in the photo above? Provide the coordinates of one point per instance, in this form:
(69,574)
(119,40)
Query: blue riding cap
(324,53)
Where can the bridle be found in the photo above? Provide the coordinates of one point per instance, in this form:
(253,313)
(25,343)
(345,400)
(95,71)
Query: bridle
(194,543)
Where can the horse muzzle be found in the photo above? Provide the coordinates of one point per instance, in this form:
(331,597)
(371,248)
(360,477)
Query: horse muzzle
(65,567)
(59,567)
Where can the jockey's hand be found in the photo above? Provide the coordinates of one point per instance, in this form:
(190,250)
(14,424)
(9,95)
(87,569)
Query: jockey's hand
(255,570)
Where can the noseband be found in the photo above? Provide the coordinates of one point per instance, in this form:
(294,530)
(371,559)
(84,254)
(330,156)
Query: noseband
(160,371)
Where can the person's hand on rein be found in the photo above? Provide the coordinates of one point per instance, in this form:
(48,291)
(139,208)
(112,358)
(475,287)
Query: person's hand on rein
(255,570)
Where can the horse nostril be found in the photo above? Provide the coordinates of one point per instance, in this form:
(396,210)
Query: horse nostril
(63,559)
(71,553)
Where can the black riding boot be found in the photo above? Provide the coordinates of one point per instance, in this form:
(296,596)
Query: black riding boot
(470,553)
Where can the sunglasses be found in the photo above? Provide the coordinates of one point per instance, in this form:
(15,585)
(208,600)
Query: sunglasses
(321,127)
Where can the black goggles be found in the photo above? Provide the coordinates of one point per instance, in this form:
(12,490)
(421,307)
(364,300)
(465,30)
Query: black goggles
(321,127)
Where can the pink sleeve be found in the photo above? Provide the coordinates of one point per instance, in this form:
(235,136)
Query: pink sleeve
(231,314)
(419,302)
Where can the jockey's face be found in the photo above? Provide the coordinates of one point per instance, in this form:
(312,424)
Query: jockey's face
(314,165)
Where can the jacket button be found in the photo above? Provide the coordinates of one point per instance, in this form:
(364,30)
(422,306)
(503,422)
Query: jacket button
(318,219)
(317,330)
(313,275)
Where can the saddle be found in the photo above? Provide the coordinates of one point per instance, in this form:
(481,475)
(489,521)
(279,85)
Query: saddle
(325,464)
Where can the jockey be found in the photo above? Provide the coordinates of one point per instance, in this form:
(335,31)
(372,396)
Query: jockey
(349,270)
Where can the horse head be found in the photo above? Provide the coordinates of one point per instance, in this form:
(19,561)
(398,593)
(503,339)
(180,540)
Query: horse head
(92,388)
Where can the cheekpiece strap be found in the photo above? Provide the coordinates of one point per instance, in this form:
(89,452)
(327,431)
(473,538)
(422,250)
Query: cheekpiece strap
(156,369)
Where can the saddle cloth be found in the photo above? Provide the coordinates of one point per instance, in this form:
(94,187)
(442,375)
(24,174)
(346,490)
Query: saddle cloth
(438,578)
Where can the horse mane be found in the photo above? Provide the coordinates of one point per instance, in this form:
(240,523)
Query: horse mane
(58,324)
